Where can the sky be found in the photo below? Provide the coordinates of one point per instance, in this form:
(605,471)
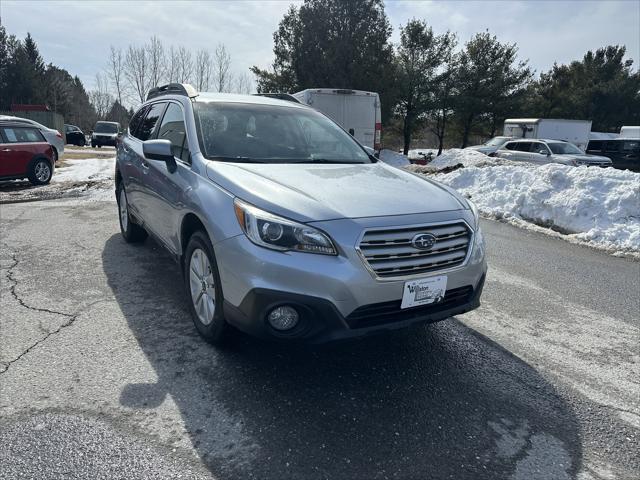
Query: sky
(77,35)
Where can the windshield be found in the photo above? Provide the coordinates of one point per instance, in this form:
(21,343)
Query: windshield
(243,132)
(106,128)
(564,148)
(497,141)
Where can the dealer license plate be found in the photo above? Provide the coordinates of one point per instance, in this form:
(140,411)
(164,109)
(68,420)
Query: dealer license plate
(424,291)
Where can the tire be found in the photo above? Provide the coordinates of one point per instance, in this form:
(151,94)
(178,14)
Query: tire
(200,292)
(99,145)
(130,230)
(93,145)
(40,171)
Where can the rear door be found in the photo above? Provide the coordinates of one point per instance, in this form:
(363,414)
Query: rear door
(19,145)
(613,150)
(521,151)
(360,118)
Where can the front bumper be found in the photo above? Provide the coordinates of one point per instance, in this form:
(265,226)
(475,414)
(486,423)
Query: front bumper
(337,297)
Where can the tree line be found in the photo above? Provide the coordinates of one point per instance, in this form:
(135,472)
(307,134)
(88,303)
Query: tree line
(428,82)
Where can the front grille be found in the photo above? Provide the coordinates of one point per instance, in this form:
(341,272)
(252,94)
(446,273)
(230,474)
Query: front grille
(389,252)
(386,312)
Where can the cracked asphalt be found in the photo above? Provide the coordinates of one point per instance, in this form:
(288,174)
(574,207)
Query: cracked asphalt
(103,375)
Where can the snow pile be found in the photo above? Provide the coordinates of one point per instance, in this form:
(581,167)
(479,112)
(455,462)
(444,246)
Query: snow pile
(599,207)
(456,157)
(421,153)
(394,159)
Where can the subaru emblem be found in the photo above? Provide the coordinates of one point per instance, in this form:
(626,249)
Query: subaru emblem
(423,241)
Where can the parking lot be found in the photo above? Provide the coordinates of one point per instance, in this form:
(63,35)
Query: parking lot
(104,376)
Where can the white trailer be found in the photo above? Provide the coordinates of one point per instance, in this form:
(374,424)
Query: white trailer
(573,131)
(630,132)
(356,111)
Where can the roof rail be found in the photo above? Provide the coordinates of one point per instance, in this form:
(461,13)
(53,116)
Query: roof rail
(279,96)
(173,89)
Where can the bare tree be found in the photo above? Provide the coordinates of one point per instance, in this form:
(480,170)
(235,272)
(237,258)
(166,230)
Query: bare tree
(244,84)
(185,65)
(203,70)
(157,61)
(100,97)
(115,71)
(172,65)
(137,70)
(222,71)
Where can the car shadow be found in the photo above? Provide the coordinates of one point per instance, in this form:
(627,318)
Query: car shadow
(441,401)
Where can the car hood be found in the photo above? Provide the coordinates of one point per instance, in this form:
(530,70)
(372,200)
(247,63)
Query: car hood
(307,192)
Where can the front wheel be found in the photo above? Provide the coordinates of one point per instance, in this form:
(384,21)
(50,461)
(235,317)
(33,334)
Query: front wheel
(131,231)
(203,287)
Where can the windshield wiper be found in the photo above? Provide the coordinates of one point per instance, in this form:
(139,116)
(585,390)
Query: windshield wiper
(325,160)
(236,159)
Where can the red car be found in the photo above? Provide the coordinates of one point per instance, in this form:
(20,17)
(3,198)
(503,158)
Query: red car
(24,153)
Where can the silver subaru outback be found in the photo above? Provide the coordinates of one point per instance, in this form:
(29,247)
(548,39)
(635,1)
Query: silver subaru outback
(285,227)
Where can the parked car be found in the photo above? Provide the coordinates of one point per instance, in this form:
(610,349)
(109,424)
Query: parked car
(285,227)
(623,152)
(74,135)
(491,147)
(572,131)
(549,151)
(356,111)
(53,136)
(105,133)
(24,153)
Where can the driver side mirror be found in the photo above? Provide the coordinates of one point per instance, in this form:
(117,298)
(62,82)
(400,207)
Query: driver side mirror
(544,152)
(160,150)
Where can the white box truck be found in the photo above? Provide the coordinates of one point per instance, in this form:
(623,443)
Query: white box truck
(573,131)
(630,132)
(356,111)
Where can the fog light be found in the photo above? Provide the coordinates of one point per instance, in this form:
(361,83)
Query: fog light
(283,318)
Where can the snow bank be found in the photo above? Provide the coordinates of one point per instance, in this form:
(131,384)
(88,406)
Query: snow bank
(599,207)
(420,153)
(394,159)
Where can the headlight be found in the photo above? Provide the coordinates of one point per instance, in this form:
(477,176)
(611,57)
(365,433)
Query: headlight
(278,233)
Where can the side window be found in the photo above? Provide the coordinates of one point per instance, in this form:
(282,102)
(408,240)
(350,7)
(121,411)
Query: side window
(632,146)
(595,145)
(22,135)
(172,128)
(148,126)
(510,146)
(612,147)
(135,121)
(523,146)
(537,147)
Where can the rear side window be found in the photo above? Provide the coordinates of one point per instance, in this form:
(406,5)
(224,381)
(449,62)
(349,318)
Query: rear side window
(148,125)
(22,135)
(631,146)
(172,129)
(594,145)
(612,146)
(135,121)
(523,146)
(511,146)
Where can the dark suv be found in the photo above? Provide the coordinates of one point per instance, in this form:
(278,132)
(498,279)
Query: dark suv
(623,152)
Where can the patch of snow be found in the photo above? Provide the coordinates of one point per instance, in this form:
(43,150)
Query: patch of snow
(90,169)
(394,159)
(594,206)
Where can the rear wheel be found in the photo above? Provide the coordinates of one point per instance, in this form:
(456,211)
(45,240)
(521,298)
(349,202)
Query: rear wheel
(202,282)
(131,231)
(40,172)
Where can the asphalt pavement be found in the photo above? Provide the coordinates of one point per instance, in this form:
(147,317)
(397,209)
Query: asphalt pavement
(104,376)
